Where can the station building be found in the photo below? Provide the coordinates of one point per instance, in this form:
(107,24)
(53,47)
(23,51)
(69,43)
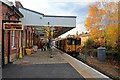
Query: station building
(35,26)
(9,39)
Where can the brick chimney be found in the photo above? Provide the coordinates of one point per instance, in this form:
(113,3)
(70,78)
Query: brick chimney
(18,4)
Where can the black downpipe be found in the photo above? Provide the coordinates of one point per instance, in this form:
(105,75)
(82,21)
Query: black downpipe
(3,61)
(9,42)
(8,46)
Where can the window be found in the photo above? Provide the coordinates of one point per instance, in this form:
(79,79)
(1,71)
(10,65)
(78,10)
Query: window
(78,42)
(69,41)
(13,39)
(41,34)
(73,41)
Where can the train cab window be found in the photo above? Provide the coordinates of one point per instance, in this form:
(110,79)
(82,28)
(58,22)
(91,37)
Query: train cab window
(73,42)
(78,42)
(69,41)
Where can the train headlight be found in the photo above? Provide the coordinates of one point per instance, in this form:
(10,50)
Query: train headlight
(79,49)
(68,48)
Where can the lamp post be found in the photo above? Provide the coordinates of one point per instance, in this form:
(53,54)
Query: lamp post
(50,39)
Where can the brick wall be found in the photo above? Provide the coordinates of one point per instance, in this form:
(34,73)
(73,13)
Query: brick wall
(0,22)
(0,33)
(17,34)
(29,37)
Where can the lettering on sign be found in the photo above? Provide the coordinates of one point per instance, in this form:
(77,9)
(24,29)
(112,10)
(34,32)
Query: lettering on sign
(13,26)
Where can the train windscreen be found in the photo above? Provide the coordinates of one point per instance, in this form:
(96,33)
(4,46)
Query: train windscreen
(73,41)
(69,41)
(78,42)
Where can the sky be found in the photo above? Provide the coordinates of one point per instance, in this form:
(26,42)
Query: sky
(77,8)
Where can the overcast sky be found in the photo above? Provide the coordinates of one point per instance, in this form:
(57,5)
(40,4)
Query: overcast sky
(77,8)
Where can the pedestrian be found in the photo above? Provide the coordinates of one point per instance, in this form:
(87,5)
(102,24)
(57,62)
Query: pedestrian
(42,47)
(39,45)
(47,46)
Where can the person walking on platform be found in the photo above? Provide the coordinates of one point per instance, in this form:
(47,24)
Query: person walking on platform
(39,45)
(48,46)
(42,49)
(44,46)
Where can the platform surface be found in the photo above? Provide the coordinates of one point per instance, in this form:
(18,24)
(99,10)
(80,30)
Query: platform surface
(41,65)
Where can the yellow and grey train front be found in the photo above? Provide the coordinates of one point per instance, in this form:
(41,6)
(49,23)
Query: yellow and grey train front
(68,44)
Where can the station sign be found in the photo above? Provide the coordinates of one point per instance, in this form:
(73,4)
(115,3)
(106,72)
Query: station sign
(13,26)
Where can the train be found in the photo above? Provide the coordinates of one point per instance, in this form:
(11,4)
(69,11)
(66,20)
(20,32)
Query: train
(71,44)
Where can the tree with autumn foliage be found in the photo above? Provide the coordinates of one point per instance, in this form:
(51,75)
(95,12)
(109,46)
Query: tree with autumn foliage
(102,23)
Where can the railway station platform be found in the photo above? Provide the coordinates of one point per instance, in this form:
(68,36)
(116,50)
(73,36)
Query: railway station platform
(42,65)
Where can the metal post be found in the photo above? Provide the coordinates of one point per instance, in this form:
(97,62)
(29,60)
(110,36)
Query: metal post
(3,61)
(8,46)
(50,40)
(50,44)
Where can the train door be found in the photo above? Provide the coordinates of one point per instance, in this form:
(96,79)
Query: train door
(78,45)
(73,45)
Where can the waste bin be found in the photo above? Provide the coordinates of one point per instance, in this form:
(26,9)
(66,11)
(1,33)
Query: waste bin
(101,55)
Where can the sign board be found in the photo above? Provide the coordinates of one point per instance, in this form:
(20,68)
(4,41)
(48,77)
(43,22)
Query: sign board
(13,26)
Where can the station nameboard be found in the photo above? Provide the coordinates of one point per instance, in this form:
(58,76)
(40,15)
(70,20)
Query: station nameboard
(13,26)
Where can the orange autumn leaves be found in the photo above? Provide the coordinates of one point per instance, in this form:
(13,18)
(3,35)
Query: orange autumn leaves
(109,31)
(112,35)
